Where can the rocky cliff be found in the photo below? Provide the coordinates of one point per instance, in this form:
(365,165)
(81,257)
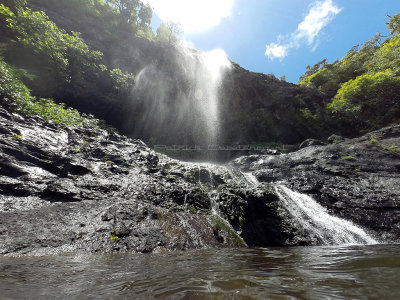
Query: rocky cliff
(65,189)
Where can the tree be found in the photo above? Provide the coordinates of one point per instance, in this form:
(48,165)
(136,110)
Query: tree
(175,30)
(133,12)
(168,32)
(394,24)
(370,97)
(68,53)
(314,69)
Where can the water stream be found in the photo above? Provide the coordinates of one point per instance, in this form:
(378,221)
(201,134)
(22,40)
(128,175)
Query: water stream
(315,220)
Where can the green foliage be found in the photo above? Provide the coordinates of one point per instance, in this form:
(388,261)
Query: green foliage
(393,148)
(394,24)
(16,96)
(364,86)
(349,158)
(373,141)
(68,52)
(133,11)
(123,81)
(372,96)
(168,32)
(59,65)
(12,91)
(387,56)
(109,19)
(113,238)
(58,113)
(314,69)
(163,33)
(307,114)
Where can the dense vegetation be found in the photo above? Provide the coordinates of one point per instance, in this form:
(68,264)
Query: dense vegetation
(17,97)
(56,64)
(364,86)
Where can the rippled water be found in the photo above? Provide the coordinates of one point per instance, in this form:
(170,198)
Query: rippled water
(354,272)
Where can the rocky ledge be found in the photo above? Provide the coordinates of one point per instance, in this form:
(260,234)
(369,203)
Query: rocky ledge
(356,179)
(65,189)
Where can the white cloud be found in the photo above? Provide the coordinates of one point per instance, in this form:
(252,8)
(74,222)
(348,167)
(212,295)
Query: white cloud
(193,15)
(276,51)
(320,15)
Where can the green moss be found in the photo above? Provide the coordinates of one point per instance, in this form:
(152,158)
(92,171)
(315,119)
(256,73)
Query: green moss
(349,158)
(230,236)
(17,137)
(393,148)
(113,238)
(373,141)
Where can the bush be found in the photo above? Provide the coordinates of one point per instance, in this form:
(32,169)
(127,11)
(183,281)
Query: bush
(16,96)
(67,52)
(372,96)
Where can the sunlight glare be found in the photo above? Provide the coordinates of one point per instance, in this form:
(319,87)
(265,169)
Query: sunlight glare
(193,15)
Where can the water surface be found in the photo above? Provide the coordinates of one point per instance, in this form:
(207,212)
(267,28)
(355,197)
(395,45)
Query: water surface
(351,272)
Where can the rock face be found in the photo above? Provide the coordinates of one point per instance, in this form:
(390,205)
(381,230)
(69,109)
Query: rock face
(356,179)
(66,189)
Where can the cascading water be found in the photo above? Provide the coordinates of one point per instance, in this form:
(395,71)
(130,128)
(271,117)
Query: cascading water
(251,179)
(315,219)
(177,98)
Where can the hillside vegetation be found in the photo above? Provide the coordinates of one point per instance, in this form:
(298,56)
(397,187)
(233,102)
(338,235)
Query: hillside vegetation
(364,86)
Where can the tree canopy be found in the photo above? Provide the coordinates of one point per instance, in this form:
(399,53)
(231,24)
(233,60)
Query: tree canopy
(364,85)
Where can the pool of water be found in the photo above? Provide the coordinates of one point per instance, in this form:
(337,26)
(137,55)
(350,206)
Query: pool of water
(351,272)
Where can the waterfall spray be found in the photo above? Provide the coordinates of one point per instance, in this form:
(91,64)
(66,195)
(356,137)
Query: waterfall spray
(178,98)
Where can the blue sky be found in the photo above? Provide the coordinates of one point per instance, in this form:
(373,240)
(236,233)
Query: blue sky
(298,32)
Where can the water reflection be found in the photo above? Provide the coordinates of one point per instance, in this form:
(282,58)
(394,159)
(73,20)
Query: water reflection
(357,272)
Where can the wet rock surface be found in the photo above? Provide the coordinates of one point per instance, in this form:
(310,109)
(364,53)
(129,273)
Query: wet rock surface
(65,189)
(357,179)
(71,189)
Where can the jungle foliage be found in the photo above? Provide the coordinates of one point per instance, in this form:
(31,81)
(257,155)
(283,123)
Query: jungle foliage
(17,97)
(364,86)
(58,64)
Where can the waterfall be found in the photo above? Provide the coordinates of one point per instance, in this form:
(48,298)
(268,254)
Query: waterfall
(177,99)
(316,220)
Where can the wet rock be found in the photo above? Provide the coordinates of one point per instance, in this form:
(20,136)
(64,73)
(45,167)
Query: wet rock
(357,179)
(311,142)
(71,189)
(335,139)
